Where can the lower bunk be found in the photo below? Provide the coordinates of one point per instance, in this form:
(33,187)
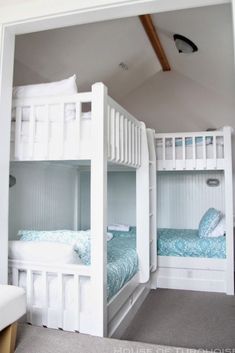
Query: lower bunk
(187,261)
(59,293)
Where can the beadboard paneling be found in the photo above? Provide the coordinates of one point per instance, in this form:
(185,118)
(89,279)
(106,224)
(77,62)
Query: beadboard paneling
(121,198)
(43,197)
(183,197)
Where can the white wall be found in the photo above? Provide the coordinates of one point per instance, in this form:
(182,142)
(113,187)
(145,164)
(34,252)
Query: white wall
(171,102)
(43,197)
(121,198)
(183,197)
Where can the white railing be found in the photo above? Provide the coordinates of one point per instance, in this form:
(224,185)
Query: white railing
(124,136)
(47,133)
(45,313)
(45,104)
(190,151)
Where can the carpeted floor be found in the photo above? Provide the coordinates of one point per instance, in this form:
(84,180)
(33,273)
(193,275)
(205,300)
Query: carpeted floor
(33,339)
(185,319)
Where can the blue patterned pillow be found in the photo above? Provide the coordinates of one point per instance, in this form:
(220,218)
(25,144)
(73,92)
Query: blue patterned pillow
(83,249)
(208,222)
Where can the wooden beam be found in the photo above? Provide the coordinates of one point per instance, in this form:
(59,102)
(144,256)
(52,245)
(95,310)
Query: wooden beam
(151,32)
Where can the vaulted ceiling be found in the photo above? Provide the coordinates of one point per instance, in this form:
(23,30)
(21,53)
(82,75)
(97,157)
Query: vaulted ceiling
(94,52)
(211,29)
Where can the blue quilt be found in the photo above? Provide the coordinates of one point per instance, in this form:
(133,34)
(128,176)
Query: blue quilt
(122,263)
(187,243)
(122,260)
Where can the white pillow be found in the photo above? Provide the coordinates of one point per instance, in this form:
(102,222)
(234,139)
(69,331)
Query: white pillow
(58,88)
(119,227)
(219,229)
(43,252)
(108,234)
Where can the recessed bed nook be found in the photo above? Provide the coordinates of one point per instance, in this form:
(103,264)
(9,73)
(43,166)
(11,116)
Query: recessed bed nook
(52,259)
(194,241)
(50,232)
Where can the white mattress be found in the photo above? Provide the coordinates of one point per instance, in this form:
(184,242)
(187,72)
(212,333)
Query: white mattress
(43,251)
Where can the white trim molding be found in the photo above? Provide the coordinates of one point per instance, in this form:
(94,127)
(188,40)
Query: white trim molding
(34,16)
(7,41)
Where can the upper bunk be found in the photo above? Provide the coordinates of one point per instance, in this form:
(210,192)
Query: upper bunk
(64,128)
(207,150)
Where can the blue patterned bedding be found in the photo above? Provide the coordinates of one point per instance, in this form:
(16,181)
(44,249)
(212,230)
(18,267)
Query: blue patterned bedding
(122,260)
(122,257)
(187,243)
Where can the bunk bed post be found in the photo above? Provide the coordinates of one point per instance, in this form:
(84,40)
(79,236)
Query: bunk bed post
(228,176)
(153,199)
(77,213)
(99,210)
(142,209)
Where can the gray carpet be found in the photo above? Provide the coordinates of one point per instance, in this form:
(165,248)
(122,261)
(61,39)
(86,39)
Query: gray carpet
(185,319)
(33,339)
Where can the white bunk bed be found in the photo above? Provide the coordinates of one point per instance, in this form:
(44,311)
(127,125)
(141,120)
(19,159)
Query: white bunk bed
(107,134)
(199,151)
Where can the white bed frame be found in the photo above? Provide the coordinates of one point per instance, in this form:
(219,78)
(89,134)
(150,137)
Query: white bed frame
(214,275)
(111,135)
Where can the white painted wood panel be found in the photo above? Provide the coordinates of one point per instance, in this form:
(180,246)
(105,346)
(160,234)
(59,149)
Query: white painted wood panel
(183,197)
(43,197)
(99,210)
(121,198)
(71,12)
